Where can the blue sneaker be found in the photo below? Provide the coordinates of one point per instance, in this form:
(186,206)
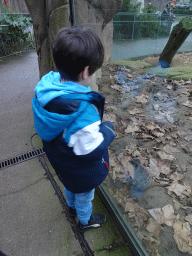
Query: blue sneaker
(96,220)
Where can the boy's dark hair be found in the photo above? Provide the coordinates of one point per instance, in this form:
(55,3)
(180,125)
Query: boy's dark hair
(75,48)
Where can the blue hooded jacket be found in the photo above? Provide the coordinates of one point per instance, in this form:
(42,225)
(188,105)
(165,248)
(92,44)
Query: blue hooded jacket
(67,116)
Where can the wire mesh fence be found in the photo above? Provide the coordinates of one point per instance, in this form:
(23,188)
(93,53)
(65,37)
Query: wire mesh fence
(139,25)
(136,36)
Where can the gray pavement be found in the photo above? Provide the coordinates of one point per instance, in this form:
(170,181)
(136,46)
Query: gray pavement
(31,219)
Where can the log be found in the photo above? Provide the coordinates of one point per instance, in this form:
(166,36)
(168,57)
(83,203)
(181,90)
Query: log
(178,36)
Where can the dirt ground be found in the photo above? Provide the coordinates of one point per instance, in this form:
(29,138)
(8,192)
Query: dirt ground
(150,176)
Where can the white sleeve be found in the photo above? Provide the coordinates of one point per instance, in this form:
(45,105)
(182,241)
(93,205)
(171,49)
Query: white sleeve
(87,139)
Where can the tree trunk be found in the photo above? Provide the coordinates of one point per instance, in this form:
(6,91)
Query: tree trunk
(49,16)
(178,36)
(108,8)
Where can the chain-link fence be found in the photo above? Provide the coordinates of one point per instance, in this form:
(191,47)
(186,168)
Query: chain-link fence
(16,33)
(138,34)
(140,25)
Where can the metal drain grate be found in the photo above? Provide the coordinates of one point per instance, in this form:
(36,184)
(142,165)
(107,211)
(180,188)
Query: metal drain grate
(21,158)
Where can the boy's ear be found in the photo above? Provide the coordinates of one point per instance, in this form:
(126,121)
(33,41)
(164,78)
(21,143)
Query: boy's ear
(85,73)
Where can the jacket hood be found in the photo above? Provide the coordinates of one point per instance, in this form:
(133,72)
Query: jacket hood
(50,87)
(47,124)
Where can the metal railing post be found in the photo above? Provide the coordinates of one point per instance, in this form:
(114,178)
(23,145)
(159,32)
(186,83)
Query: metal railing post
(72,18)
(159,27)
(133,27)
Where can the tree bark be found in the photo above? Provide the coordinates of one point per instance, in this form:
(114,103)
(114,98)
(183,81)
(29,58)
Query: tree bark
(178,36)
(108,8)
(49,16)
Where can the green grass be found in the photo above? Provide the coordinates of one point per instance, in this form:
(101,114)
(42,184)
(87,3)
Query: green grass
(176,73)
(133,64)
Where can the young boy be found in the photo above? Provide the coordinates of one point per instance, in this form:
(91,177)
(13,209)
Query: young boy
(67,116)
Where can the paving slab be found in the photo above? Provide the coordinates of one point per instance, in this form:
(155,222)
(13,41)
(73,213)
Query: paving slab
(31,220)
(18,78)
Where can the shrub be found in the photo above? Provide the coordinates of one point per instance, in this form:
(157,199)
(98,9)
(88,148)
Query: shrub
(150,26)
(124,20)
(14,37)
(146,26)
(123,25)
(180,11)
(150,9)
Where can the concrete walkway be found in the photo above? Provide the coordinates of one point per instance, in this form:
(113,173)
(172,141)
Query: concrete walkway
(31,219)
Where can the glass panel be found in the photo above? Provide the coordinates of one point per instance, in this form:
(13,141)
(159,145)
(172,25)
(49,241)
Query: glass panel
(150,176)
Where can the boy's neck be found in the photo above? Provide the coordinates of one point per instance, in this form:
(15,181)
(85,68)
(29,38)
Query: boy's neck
(86,82)
(84,78)
(77,82)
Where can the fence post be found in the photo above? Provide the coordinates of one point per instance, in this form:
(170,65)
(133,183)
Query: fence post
(133,27)
(159,27)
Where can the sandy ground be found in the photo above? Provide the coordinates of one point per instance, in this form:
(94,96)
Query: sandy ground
(150,176)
